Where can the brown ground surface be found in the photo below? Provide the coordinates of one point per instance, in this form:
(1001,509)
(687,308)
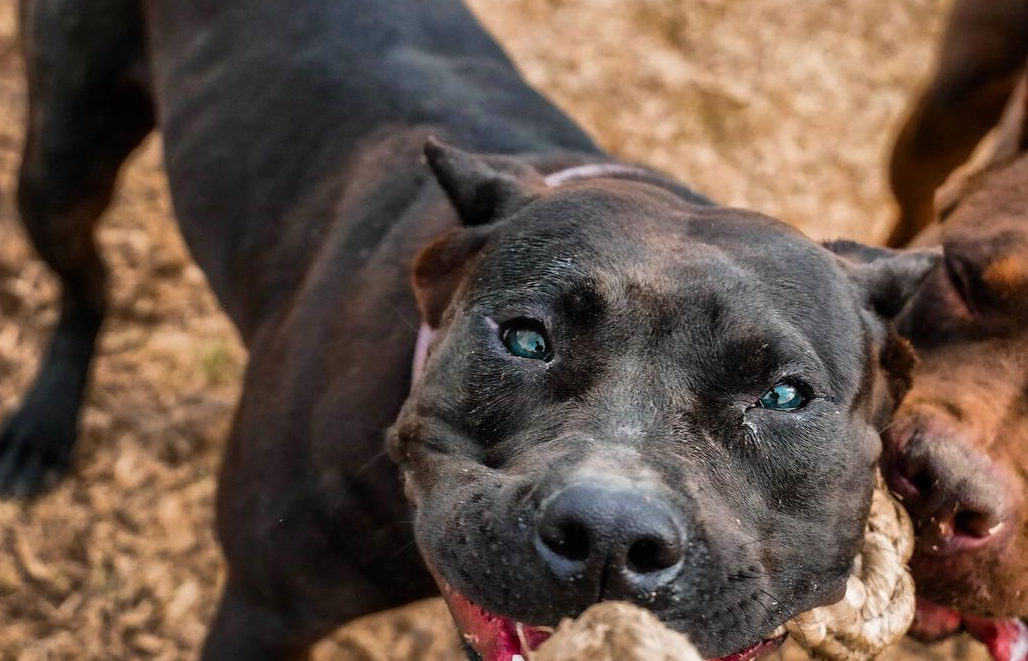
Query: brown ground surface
(784,106)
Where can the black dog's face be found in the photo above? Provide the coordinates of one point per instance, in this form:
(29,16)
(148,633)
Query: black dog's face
(634,398)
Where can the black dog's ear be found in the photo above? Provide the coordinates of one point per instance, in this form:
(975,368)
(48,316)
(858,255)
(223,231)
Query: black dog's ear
(481,188)
(440,267)
(889,277)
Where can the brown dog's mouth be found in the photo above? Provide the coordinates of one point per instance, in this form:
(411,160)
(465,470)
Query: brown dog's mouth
(1006,639)
(497,638)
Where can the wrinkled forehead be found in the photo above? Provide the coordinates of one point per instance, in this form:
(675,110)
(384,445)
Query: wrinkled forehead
(676,268)
(624,244)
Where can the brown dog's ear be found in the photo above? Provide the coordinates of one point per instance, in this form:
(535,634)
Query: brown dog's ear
(889,277)
(481,188)
(438,270)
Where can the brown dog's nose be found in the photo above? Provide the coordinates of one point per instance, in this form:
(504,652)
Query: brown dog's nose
(954,495)
(615,539)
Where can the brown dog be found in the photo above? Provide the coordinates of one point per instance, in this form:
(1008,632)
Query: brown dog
(957,452)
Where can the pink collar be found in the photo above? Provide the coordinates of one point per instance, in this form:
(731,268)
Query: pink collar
(425,334)
(594,171)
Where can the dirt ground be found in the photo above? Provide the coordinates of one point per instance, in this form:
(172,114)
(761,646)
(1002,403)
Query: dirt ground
(784,106)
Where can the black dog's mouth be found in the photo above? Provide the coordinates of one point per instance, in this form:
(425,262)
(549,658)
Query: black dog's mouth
(497,638)
(492,637)
(1007,639)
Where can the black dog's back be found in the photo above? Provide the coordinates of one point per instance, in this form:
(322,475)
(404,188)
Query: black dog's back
(290,102)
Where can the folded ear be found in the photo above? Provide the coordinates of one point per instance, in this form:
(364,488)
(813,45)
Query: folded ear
(889,277)
(439,268)
(481,188)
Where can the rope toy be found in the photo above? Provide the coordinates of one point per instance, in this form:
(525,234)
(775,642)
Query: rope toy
(876,612)
(615,631)
(879,604)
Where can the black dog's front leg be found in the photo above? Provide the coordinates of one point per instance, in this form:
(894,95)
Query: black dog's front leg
(245,629)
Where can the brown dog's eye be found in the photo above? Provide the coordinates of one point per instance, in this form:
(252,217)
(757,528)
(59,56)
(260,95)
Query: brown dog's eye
(965,279)
(526,339)
(958,276)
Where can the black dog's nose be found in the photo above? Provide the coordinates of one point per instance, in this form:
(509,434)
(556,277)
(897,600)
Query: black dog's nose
(622,539)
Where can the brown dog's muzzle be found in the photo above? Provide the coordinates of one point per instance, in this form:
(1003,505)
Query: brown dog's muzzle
(957,498)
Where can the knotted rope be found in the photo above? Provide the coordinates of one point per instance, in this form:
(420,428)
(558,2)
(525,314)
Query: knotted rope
(875,613)
(879,604)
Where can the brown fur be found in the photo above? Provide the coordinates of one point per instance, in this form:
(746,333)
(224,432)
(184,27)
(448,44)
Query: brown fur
(958,448)
(981,61)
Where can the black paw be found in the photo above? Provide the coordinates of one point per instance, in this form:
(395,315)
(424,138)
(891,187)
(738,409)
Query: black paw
(34,452)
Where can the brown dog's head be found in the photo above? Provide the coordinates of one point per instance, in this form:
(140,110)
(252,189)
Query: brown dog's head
(957,452)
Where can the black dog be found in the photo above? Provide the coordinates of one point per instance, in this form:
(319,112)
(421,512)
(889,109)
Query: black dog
(629,393)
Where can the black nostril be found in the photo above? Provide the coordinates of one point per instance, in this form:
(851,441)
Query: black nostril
(618,540)
(922,482)
(919,480)
(568,540)
(650,555)
(969,523)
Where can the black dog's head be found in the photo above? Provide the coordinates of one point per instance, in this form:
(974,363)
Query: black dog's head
(631,396)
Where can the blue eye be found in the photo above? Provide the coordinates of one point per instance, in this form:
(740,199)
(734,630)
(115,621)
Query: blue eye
(783,397)
(525,339)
